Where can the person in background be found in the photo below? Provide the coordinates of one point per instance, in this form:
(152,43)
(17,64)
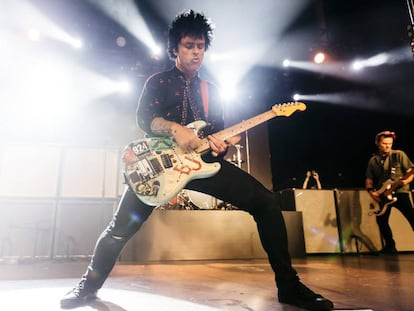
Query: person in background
(170,100)
(312,181)
(390,167)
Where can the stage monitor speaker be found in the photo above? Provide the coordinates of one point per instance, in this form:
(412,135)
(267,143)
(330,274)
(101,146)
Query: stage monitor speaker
(205,235)
(27,228)
(402,231)
(358,228)
(79,224)
(319,218)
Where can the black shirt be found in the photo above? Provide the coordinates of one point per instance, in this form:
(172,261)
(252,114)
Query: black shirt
(163,96)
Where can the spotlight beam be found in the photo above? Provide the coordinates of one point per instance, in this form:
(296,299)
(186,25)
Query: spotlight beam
(346,70)
(36,23)
(351,99)
(126,14)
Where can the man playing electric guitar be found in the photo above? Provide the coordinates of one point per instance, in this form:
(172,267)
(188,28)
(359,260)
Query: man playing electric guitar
(390,171)
(169,102)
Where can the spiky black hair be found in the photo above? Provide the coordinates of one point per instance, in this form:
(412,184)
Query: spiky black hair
(189,23)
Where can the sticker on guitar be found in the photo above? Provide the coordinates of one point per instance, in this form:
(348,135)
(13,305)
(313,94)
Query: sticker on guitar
(157,169)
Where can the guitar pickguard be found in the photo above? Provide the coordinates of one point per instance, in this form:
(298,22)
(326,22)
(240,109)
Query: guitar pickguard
(157,168)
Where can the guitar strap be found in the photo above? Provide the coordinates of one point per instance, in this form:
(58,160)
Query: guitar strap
(393,161)
(204,96)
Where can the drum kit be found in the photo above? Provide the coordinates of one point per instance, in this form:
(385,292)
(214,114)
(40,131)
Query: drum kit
(194,200)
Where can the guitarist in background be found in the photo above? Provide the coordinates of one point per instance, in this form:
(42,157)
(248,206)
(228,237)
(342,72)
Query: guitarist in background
(169,101)
(390,165)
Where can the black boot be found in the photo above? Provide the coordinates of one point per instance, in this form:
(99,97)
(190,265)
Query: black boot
(301,296)
(80,295)
(388,249)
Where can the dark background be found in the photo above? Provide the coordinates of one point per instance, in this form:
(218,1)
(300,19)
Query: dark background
(336,139)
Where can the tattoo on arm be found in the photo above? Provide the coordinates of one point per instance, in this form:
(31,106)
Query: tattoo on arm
(160,126)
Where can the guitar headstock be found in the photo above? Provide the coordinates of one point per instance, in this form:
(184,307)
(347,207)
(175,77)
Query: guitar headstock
(289,108)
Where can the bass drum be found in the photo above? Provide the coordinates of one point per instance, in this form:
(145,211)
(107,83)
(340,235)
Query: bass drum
(201,200)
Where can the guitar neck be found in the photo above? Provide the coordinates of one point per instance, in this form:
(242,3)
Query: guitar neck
(238,128)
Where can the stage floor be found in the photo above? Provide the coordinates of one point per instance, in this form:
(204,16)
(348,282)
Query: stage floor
(380,283)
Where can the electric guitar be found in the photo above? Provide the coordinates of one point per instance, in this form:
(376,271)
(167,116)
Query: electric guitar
(157,168)
(386,195)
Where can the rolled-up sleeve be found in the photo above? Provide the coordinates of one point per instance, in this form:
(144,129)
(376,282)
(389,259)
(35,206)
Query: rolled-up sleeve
(150,103)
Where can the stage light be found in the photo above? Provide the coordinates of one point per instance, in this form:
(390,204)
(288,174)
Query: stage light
(33,34)
(156,52)
(124,86)
(77,43)
(120,41)
(228,92)
(357,65)
(296,97)
(128,15)
(41,25)
(319,58)
(354,99)
(230,67)
(227,86)
(156,49)
(374,61)
(286,63)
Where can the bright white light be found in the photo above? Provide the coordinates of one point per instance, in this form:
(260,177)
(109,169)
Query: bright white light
(357,65)
(378,60)
(231,66)
(349,99)
(33,35)
(228,93)
(35,290)
(286,63)
(54,92)
(330,68)
(373,61)
(51,100)
(156,52)
(227,89)
(296,97)
(77,43)
(47,104)
(124,86)
(214,57)
(319,58)
(156,49)
(47,88)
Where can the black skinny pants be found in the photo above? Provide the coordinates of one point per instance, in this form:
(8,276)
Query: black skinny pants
(404,204)
(230,184)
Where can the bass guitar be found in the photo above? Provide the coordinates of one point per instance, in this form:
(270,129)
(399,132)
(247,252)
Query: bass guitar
(157,168)
(387,197)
